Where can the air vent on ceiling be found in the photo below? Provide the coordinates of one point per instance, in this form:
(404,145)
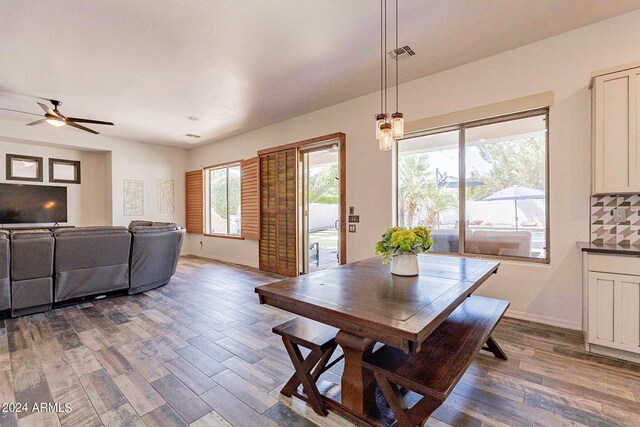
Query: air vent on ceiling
(401,53)
(190,135)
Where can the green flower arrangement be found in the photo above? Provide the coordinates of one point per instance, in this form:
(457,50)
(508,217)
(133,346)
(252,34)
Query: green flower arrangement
(399,240)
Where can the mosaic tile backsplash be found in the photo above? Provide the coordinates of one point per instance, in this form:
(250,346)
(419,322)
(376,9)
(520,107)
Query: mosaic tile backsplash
(604,230)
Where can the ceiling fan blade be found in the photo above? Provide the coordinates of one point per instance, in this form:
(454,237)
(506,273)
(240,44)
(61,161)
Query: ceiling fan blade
(95,122)
(77,126)
(47,109)
(18,111)
(59,114)
(37,122)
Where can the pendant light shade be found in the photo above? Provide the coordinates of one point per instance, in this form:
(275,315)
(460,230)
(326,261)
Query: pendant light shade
(380,120)
(55,122)
(386,137)
(397,123)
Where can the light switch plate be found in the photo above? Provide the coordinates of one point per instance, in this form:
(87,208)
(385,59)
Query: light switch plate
(352,228)
(619,214)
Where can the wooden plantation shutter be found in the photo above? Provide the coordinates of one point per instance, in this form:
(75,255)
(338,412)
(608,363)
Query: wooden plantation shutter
(268,214)
(195,201)
(250,198)
(286,226)
(278,225)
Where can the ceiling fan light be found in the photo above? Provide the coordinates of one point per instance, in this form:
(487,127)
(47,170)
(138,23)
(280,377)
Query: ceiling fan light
(55,122)
(380,120)
(386,137)
(397,122)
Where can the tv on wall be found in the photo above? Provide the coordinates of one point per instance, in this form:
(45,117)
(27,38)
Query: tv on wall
(32,204)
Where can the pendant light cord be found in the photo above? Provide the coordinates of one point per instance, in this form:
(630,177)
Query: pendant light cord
(381,59)
(385,56)
(397,90)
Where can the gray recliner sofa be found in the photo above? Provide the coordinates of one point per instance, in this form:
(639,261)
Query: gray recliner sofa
(90,261)
(5,281)
(31,271)
(155,250)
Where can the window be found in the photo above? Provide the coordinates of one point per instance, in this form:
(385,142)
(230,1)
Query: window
(24,168)
(223,200)
(67,171)
(503,199)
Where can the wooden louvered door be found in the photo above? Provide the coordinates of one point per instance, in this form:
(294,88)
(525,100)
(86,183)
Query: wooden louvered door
(278,224)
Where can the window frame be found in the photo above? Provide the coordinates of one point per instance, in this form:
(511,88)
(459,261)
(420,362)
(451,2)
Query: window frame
(461,128)
(74,163)
(207,199)
(37,161)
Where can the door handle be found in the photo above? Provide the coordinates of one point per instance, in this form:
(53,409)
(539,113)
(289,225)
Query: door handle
(336,225)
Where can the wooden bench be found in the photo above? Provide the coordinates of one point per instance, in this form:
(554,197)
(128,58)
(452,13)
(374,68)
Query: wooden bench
(446,354)
(320,339)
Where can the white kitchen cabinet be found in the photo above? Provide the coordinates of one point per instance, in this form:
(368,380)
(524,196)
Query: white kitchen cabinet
(614,312)
(615,115)
(613,304)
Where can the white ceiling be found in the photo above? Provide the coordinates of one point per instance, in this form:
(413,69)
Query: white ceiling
(239,65)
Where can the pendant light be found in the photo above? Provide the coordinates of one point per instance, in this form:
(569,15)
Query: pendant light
(382,118)
(387,130)
(386,137)
(397,118)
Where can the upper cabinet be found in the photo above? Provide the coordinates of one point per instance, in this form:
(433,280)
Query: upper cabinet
(615,116)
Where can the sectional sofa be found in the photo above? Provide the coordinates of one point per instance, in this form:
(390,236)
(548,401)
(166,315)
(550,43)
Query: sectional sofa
(42,268)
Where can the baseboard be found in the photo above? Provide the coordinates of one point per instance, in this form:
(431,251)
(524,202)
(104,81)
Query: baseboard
(615,353)
(227,260)
(553,321)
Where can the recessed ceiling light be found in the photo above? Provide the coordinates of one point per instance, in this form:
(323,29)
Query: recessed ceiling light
(193,118)
(190,135)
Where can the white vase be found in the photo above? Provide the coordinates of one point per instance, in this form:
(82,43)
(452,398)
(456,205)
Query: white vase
(405,264)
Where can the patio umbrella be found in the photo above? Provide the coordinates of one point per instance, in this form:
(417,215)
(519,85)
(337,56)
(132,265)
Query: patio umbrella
(515,193)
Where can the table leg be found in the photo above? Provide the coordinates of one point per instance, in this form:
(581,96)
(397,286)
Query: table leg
(358,384)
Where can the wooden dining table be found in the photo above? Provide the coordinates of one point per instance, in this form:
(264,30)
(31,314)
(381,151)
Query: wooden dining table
(369,305)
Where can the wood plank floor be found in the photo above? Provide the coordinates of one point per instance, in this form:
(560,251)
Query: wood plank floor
(200,352)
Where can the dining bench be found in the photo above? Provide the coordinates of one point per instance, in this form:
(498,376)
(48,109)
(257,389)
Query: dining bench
(320,339)
(446,354)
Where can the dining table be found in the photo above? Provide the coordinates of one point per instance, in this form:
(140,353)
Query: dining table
(370,305)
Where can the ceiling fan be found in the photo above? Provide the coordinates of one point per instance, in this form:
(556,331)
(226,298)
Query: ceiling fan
(56,118)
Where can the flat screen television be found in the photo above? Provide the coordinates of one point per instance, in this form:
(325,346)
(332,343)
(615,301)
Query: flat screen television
(32,204)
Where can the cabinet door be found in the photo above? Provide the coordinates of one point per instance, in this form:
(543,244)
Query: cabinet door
(601,311)
(614,133)
(614,310)
(627,307)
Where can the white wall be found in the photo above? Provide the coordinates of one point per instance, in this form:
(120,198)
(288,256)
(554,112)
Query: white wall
(562,64)
(86,202)
(119,159)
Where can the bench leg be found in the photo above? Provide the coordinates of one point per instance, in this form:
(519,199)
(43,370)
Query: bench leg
(303,376)
(494,348)
(421,411)
(405,416)
(321,367)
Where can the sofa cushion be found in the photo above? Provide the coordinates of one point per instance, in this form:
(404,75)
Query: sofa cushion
(31,255)
(89,249)
(90,230)
(154,228)
(140,223)
(30,234)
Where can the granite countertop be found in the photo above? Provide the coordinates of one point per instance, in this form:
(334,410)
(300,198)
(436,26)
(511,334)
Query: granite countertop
(604,248)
